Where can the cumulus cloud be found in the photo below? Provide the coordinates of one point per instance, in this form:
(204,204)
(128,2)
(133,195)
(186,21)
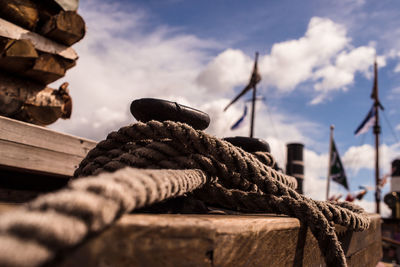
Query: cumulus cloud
(358,157)
(229,69)
(120,61)
(323,57)
(122,58)
(294,61)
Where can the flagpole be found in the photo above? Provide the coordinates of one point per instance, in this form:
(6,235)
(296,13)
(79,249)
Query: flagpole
(329,162)
(377,131)
(253,104)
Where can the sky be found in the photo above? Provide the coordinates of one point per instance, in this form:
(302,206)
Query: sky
(316,63)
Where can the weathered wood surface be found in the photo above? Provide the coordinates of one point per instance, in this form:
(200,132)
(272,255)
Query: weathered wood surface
(214,240)
(32,15)
(12,31)
(32,102)
(29,147)
(46,69)
(17,55)
(22,12)
(21,58)
(67,27)
(67,5)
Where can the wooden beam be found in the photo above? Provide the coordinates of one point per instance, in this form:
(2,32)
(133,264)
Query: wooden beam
(32,102)
(68,5)
(12,31)
(14,92)
(213,240)
(67,27)
(46,69)
(21,57)
(22,12)
(29,147)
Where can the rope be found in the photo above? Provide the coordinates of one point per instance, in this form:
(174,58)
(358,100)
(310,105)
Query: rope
(54,222)
(220,174)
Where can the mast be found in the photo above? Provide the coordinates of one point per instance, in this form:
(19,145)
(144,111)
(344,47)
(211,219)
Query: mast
(254,79)
(253,100)
(329,162)
(377,131)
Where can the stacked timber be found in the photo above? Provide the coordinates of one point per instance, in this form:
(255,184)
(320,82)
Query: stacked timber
(35,40)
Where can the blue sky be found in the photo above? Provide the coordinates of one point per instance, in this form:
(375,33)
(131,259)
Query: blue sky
(316,60)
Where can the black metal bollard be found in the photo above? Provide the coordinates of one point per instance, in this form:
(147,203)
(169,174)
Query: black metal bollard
(147,109)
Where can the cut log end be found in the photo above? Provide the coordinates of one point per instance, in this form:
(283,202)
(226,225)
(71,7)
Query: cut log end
(33,103)
(67,27)
(22,12)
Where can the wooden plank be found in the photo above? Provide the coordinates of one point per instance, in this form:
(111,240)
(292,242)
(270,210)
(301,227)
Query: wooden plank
(6,207)
(12,31)
(29,158)
(40,137)
(68,5)
(209,240)
(33,148)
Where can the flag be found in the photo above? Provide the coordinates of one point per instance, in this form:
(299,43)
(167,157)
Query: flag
(254,79)
(240,120)
(366,123)
(336,169)
(350,197)
(361,194)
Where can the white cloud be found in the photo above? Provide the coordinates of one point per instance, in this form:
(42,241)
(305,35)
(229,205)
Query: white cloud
(228,70)
(341,74)
(358,157)
(315,172)
(294,61)
(121,59)
(397,68)
(323,56)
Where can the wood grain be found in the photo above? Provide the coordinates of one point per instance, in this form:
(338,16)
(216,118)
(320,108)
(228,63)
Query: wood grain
(210,240)
(36,148)
(12,31)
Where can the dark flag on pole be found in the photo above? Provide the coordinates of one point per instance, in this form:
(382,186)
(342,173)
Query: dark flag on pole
(368,122)
(254,79)
(336,169)
(240,120)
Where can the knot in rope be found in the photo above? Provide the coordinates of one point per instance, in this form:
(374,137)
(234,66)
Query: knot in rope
(146,163)
(237,179)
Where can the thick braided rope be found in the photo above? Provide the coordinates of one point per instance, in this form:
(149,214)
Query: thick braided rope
(238,180)
(243,181)
(35,233)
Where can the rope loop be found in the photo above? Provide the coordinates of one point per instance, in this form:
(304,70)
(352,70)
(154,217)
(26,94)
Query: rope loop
(146,163)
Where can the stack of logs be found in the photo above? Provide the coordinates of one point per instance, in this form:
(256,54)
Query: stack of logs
(35,40)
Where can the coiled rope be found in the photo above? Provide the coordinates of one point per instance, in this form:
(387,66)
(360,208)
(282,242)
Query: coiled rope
(214,170)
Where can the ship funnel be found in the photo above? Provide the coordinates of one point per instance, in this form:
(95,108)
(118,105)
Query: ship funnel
(295,164)
(392,199)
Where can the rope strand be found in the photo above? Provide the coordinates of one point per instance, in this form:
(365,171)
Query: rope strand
(214,170)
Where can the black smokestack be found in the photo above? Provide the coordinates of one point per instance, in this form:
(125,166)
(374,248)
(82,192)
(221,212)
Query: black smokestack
(295,164)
